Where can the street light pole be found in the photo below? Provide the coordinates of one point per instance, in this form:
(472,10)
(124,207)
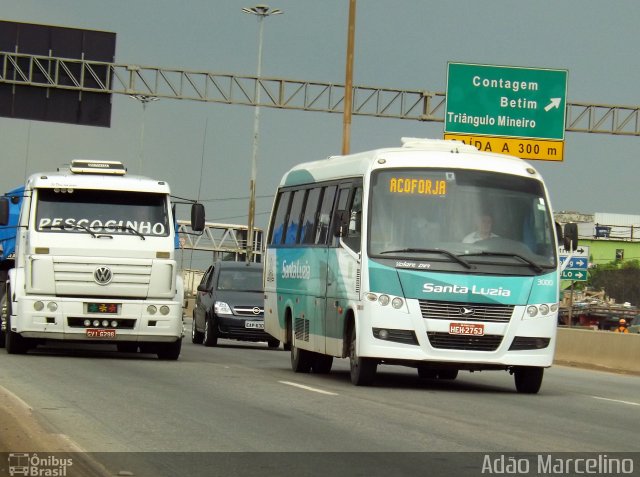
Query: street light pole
(144,99)
(261,11)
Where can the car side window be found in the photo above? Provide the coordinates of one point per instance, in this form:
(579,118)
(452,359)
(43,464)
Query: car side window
(210,278)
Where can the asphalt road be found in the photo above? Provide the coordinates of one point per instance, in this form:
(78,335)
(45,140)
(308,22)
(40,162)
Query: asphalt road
(243,397)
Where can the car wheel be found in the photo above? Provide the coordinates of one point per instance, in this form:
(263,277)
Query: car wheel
(210,337)
(273,343)
(363,370)
(197,337)
(528,379)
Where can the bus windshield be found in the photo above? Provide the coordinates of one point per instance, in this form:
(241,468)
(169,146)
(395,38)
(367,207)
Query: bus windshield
(102,212)
(448,215)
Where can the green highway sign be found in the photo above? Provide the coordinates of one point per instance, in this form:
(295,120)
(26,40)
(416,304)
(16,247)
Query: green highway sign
(506,101)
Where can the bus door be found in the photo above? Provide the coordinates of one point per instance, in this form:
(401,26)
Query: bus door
(343,263)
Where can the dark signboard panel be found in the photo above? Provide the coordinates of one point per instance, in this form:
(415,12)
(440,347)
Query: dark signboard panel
(52,104)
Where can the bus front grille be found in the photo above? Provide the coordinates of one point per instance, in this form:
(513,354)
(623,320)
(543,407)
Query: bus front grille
(450,310)
(464,342)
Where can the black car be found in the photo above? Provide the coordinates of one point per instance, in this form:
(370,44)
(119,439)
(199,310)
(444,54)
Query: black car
(230,304)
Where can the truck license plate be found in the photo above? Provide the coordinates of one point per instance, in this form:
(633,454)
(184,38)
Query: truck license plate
(97,333)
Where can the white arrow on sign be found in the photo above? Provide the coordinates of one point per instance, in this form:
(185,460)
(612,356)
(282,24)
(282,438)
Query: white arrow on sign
(555,103)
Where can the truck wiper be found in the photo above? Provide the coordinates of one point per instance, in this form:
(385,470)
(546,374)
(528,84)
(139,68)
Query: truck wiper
(129,229)
(529,262)
(70,226)
(451,255)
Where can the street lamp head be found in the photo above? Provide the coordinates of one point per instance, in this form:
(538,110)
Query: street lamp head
(262,10)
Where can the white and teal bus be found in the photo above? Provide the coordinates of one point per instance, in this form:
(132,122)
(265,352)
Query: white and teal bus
(373,257)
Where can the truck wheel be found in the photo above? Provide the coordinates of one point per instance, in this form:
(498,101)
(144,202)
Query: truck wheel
(528,379)
(170,351)
(15,343)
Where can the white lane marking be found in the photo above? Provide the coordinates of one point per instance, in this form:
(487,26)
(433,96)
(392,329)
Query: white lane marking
(630,403)
(308,388)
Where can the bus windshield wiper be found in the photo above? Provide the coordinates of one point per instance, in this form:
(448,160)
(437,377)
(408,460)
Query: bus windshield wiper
(451,255)
(70,226)
(528,261)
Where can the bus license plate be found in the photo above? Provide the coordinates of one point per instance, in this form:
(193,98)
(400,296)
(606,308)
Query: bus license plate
(95,333)
(257,325)
(466,329)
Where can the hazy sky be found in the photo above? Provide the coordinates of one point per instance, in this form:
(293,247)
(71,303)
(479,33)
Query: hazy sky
(402,44)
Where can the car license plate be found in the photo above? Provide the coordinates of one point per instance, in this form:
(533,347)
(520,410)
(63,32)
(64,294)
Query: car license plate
(466,329)
(258,325)
(97,333)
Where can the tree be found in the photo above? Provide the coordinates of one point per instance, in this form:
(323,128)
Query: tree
(619,280)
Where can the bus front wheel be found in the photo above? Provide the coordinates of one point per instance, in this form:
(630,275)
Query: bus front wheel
(528,379)
(363,370)
(301,359)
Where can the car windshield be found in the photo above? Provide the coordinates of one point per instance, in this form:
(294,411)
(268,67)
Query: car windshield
(240,280)
(479,216)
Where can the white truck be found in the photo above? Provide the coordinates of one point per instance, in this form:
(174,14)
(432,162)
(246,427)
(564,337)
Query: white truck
(94,262)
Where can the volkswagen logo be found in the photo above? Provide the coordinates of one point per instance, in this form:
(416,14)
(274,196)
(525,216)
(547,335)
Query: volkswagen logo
(464,311)
(103,275)
(256,310)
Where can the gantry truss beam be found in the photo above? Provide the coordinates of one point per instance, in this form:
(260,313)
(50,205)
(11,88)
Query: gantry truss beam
(99,77)
(221,239)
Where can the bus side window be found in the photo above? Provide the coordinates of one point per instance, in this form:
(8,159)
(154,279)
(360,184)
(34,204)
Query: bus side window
(279,222)
(295,213)
(324,219)
(353,234)
(310,216)
(339,212)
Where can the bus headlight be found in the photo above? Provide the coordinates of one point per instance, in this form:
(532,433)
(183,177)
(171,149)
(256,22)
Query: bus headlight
(532,310)
(384,300)
(397,303)
(544,309)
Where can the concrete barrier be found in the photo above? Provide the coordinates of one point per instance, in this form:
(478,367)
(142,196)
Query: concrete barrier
(599,349)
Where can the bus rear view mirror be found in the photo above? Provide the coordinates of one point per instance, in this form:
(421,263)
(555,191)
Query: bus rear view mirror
(4,211)
(197,217)
(570,238)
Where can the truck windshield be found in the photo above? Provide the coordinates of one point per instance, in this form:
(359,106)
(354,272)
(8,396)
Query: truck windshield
(102,212)
(479,216)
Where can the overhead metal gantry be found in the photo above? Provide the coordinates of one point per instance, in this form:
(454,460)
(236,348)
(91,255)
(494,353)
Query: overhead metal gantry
(225,241)
(100,77)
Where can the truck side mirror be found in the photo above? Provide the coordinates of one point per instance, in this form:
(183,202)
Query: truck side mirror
(197,217)
(4,211)
(570,238)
